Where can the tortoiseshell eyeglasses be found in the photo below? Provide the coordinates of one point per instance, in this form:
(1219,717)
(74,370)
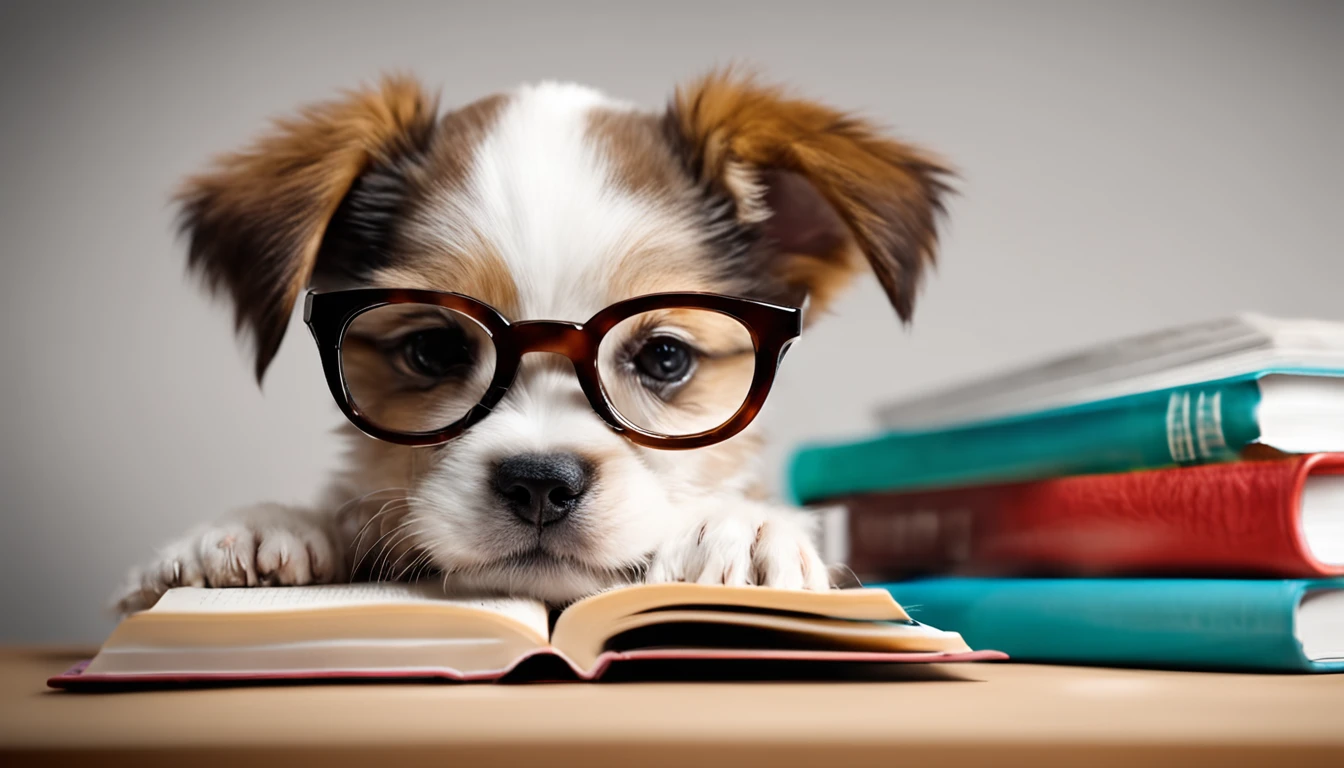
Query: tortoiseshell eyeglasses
(668,370)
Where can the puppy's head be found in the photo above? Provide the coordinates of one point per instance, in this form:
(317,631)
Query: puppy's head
(552,202)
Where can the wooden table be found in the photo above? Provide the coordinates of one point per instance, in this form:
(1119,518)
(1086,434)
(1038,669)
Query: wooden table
(995,714)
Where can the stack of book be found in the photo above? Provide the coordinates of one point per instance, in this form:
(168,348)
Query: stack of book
(1168,500)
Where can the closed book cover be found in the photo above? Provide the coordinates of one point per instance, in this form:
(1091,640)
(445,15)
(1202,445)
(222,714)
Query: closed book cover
(1206,423)
(1240,346)
(1281,518)
(1253,625)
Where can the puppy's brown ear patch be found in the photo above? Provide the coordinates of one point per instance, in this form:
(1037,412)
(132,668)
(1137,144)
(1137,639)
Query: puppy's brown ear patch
(817,183)
(256,219)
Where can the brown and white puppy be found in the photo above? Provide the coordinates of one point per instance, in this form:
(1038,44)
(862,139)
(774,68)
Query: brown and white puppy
(550,202)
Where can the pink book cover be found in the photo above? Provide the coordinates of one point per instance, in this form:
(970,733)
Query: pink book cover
(74,679)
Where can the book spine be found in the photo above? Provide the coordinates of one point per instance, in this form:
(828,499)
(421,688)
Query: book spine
(1239,519)
(1165,623)
(1184,426)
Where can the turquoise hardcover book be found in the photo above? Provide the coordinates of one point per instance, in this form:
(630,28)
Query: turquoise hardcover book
(1187,395)
(1201,423)
(1252,625)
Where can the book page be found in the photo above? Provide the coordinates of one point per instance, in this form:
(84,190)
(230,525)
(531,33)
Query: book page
(200,600)
(1320,624)
(583,627)
(857,604)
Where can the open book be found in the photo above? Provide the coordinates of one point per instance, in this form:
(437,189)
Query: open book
(409,631)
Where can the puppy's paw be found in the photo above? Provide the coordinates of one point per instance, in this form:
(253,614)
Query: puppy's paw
(743,545)
(263,546)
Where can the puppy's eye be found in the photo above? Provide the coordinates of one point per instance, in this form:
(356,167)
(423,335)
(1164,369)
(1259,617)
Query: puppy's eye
(664,359)
(437,352)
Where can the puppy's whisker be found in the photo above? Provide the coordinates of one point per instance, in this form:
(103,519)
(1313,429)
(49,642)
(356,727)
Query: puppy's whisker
(413,568)
(387,508)
(400,534)
(354,503)
(364,552)
(361,499)
(407,572)
(385,561)
(377,554)
(359,536)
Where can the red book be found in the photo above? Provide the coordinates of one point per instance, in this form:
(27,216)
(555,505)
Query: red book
(1281,518)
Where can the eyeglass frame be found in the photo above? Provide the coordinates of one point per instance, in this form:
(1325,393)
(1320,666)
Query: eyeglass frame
(773,330)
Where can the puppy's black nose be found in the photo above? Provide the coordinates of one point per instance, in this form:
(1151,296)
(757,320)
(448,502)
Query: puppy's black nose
(541,488)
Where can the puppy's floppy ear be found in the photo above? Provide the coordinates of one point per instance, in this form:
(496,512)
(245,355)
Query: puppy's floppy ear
(257,219)
(814,185)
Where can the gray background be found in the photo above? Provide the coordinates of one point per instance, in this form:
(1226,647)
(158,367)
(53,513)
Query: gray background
(1126,166)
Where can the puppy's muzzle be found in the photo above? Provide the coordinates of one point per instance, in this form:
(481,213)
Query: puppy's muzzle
(541,489)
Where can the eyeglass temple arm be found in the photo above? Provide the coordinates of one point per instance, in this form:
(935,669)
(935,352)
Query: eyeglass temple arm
(802,321)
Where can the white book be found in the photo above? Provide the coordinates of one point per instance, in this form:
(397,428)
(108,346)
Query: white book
(1233,347)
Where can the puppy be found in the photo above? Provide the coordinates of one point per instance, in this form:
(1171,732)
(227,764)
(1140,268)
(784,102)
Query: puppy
(549,202)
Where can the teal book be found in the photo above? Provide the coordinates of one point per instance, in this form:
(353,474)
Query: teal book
(1192,394)
(1209,624)
(1208,422)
